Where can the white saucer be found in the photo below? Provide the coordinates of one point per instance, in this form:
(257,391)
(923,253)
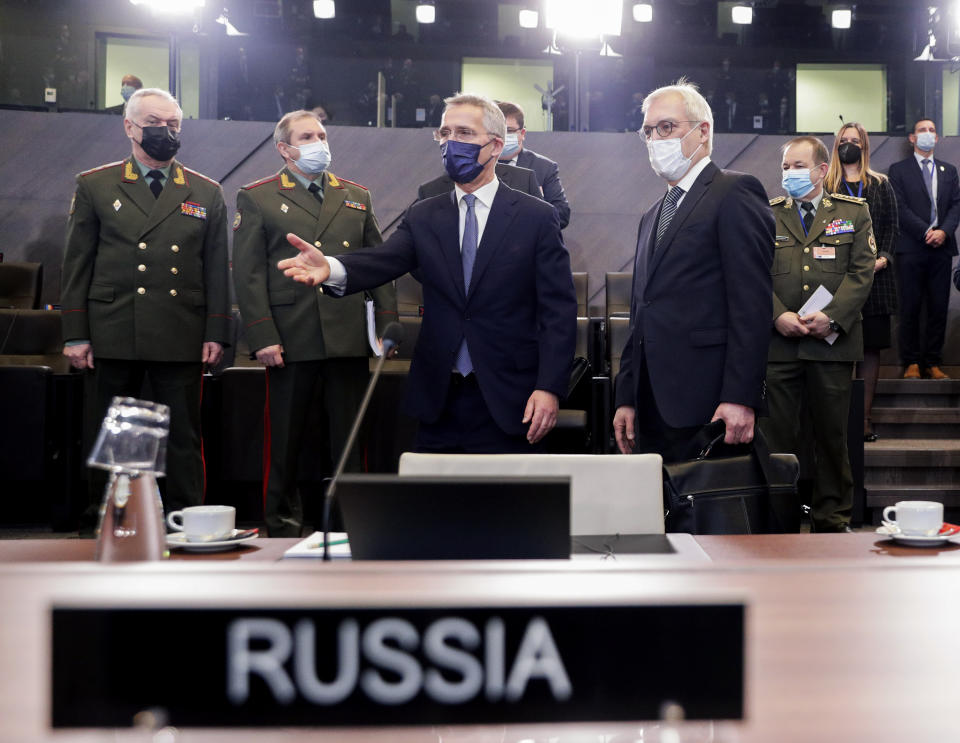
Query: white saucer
(178,540)
(914,540)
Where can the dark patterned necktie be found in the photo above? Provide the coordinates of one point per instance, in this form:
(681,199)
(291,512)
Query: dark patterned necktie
(316,191)
(667,211)
(807,207)
(156,182)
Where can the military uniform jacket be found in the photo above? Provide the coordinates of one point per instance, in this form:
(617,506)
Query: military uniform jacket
(276,310)
(842,237)
(146,278)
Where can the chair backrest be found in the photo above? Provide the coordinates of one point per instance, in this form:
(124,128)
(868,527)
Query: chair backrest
(30,332)
(580,286)
(619,286)
(409,296)
(618,329)
(609,494)
(21,285)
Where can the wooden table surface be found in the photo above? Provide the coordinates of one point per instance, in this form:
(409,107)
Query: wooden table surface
(848,637)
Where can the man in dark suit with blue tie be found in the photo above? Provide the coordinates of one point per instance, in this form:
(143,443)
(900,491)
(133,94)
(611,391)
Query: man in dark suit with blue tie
(499,320)
(702,293)
(928,203)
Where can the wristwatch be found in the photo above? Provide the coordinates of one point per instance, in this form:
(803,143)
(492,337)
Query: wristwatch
(834,326)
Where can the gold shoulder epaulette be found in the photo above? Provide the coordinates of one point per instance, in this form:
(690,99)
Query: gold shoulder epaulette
(352,183)
(845,197)
(262,181)
(97,169)
(200,175)
(777,200)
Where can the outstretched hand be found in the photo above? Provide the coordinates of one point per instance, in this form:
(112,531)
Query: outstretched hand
(309,267)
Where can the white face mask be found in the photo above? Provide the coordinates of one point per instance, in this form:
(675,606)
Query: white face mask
(314,157)
(511,146)
(666,156)
(926,141)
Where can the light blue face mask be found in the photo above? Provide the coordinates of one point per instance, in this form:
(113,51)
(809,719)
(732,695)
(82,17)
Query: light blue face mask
(926,141)
(796,182)
(314,157)
(511,146)
(126,91)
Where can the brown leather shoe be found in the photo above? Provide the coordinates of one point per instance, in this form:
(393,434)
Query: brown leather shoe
(912,372)
(935,372)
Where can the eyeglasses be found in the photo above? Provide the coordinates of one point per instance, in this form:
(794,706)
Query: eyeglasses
(663,128)
(458,134)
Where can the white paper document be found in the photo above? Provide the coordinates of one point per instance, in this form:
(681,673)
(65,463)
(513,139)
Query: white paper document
(312,546)
(817,301)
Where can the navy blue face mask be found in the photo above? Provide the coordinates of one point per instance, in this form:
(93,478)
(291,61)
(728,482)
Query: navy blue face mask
(460,160)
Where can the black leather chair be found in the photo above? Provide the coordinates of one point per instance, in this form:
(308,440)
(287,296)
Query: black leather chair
(619,286)
(21,285)
(580,285)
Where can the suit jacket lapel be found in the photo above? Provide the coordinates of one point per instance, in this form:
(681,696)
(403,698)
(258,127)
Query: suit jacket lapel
(291,190)
(502,211)
(175,191)
(641,262)
(690,199)
(791,220)
(133,186)
(445,223)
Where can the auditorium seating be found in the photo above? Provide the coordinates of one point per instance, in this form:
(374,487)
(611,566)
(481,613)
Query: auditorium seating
(21,284)
(608,495)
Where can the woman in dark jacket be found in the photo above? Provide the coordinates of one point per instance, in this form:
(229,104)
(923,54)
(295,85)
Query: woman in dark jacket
(850,174)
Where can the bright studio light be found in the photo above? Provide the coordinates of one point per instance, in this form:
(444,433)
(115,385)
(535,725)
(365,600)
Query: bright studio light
(529,18)
(841,18)
(643,12)
(324,9)
(426,13)
(582,19)
(742,14)
(171,6)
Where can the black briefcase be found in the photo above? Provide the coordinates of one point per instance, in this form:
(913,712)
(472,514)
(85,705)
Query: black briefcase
(752,493)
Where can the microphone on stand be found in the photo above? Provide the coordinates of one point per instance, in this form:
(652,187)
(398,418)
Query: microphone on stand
(392,336)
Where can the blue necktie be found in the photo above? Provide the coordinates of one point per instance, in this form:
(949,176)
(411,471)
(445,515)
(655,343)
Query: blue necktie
(468,253)
(928,179)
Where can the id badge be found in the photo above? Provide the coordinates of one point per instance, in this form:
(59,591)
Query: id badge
(824,253)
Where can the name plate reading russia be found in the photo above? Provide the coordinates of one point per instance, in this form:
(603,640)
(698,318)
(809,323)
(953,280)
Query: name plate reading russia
(376,666)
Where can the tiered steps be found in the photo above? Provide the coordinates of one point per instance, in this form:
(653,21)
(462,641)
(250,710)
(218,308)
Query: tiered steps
(918,454)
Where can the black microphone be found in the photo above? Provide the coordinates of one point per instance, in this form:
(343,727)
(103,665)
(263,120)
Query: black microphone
(840,116)
(392,336)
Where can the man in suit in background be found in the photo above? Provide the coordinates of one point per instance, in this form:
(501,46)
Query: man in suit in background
(928,201)
(303,338)
(519,179)
(145,291)
(499,320)
(548,172)
(824,241)
(700,310)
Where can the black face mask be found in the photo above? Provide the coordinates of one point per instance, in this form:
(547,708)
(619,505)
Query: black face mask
(849,153)
(159,142)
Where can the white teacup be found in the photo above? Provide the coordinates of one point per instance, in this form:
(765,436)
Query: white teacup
(915,518)
(204,523)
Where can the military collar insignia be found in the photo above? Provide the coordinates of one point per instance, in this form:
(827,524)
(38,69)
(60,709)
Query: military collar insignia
(827,203)
(180,179)
(332,180)
(286,183)
(130,175)
(789,202)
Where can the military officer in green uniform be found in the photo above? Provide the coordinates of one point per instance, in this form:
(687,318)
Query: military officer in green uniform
(824,243)
(302,337)
(145,283)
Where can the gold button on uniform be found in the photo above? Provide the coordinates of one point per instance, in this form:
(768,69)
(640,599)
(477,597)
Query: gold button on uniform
(175,248)
(806,268)
(317,243)
(141,267)
(346,243)
(174,271)
(806,250)
(142,246)
(806,287)
(141,290)
(173,292)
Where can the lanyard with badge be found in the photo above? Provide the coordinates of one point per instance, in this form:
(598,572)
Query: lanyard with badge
(850,190)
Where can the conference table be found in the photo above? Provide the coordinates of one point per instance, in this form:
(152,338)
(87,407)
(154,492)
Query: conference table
(848,637)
